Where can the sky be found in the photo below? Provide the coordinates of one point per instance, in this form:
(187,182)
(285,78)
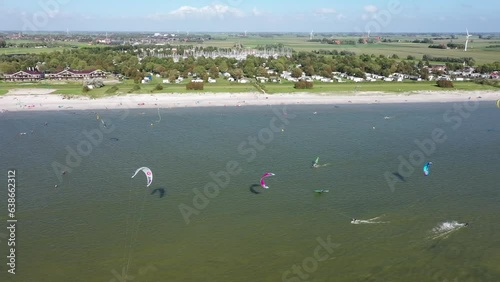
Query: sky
(376,16)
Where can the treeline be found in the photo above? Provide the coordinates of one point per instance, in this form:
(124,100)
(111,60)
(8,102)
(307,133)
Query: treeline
(425,40)
(338,41)
(334,41)
(468,60)
(450,45)
(270,46)
(320,62)
(455,46)
(438,46)
(488,68)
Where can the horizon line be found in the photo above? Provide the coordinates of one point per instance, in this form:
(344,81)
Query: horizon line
(242,32)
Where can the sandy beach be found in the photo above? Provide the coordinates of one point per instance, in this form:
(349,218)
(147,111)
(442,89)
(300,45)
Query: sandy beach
(42,100)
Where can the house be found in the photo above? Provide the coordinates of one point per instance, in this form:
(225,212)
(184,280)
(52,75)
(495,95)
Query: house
(68,74)
(197,80)
(24,76)
(438,67)
(211,80)
(166,81)
(243,80)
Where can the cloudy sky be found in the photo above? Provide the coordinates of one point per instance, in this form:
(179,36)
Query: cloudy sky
(253,16)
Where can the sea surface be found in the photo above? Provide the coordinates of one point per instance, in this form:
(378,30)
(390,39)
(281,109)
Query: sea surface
(99,224)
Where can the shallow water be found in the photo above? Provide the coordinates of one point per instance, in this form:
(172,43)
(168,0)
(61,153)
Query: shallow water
(99,223)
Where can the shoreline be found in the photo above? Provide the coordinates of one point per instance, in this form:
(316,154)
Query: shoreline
(32,101)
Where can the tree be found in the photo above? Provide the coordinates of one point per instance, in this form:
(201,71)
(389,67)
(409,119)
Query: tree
(296,72)
(424,74)
(261,71)
(159,69)
(199,70)
(249,71)
(237,73)
(309,70)
(223,66)
(214,72)
(279,67)
(6,67)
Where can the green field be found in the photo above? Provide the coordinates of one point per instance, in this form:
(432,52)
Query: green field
(476,50)
(53,46)
(73,88)
(394,87)
(477,47)
(125,87)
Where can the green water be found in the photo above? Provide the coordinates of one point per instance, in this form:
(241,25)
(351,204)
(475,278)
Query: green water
(99,220)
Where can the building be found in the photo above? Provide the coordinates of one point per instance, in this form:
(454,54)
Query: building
(75,74)
(24,76)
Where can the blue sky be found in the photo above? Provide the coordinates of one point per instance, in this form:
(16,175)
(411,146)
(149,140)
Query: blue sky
(253,16)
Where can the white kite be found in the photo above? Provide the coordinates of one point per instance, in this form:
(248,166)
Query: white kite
(148,172)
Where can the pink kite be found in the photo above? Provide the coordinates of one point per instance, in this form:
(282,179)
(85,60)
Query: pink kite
(262,183)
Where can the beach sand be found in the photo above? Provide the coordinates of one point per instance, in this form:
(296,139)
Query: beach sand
(32,100)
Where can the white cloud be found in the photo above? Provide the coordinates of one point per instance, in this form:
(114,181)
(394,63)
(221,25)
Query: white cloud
(256,12)
(206,12)
(323,11)
(341,17)
(370,8)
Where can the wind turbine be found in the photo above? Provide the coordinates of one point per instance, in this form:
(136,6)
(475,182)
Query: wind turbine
(311,35)
(467,40)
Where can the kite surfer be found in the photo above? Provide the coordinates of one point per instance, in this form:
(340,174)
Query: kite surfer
(371,220)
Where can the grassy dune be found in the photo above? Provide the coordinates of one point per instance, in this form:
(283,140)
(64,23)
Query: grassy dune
(74,88)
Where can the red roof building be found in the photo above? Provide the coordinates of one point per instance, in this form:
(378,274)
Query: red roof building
(24,76)
(75,74)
